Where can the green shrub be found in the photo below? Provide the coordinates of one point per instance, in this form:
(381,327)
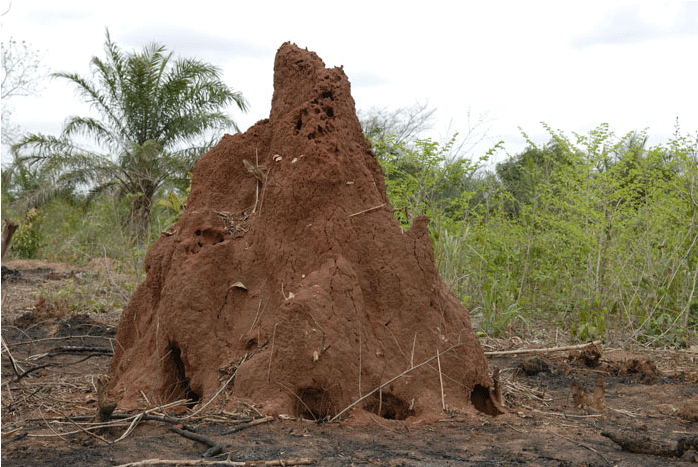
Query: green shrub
(28,238)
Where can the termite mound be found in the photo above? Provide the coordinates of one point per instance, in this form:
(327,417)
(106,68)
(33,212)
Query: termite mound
(289,270)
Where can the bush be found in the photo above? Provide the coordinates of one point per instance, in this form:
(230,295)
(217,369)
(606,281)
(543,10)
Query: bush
(28,238)
(595,233)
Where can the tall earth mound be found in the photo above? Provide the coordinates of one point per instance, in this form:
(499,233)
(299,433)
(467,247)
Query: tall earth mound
(288,268)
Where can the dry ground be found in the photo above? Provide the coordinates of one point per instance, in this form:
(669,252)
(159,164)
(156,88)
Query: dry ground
(561,403)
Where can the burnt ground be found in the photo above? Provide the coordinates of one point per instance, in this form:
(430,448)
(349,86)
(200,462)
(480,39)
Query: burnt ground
(559,402)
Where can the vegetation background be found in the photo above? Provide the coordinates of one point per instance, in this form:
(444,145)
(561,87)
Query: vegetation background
(588,236)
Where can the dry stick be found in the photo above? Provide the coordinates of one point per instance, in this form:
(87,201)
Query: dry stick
(34,368)
(390,381)
(35,341)
(414,343)
(50,427)
(146,413)
(312,414)
(223,386)
(94,435)
(10,433)
(367,210)
(257,315)
(15,366)
(297,461)
(545,350)
(170,420)
(584,446)
(256,194)
(71,349)
(271,354)
(16,437)
(360,369)
(252,407)
(130,427)
(441,379)
(66,433)
(195,436)
(242,426)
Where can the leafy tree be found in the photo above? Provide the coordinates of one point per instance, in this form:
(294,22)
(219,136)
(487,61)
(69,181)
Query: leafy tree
(21,69)
(22,74)
(156,113)
(400,126)
(591,232)
(522,174)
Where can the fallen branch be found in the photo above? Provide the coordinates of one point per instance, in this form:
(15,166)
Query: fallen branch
(14,435)
(643,444)
(170,420)
(87,432)
(15,367)
(72,349)
(194,436)
(63,338)
(117,420)
(45,365)
(545,350)
(298,461)
(34,368)
(242,426)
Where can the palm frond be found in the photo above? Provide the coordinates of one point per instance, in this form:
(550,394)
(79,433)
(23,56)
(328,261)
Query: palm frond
(153,113)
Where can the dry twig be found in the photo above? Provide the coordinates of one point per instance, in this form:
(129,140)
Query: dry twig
(441,379)
(15,367)
(367,210)
(242,426)
(545,350)
(390,381)
(584,446)
(297,461)
(194,436)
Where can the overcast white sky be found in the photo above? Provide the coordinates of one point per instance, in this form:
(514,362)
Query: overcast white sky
(572,65)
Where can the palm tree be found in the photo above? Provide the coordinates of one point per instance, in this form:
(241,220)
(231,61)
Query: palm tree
(156,113)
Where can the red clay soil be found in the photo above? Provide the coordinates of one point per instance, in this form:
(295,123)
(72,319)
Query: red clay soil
(288,270)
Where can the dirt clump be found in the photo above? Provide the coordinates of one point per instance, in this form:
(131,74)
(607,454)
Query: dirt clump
(289,270)
(534,365)
(589,355)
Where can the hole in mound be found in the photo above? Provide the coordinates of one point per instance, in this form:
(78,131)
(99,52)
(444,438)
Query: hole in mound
(299,125)
(482,401)
(389,407)
(177,383)
(251,343)
(314,404)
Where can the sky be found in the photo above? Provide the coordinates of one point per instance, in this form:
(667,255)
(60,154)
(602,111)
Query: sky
(495,68)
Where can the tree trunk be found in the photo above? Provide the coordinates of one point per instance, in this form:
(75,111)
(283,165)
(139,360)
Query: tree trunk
(7,232)
(141,206)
